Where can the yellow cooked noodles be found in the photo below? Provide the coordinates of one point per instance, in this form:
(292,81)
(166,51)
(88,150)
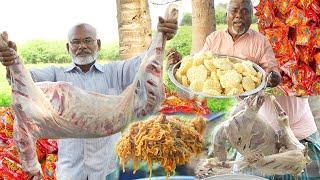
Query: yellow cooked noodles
(169,141)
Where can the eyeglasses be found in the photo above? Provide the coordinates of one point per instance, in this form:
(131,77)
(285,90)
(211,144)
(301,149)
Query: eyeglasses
(86,41)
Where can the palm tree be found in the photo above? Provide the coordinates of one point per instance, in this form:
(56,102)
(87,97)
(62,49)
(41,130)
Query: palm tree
(134,25)
(203,22)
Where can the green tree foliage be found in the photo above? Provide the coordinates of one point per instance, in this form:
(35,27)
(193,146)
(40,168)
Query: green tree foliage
(109,52)
(220,12)
(5,99)
(182,40)
(40,51)
(186,19)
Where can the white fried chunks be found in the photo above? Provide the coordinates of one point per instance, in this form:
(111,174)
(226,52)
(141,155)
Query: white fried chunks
(216,76)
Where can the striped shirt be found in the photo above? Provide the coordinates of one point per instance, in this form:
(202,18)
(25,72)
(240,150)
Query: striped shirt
(92,159)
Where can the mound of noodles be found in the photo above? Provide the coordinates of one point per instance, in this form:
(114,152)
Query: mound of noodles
(169,141)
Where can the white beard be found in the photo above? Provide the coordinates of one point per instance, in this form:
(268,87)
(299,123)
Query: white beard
(238,33)
(84,60)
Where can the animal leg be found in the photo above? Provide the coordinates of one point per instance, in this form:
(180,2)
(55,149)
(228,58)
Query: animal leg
(217,148)
(211,167)
(255,101)
(25,145)
(287,137)
(289,162)
(254,157)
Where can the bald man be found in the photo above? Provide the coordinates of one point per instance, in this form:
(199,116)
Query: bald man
(92,159)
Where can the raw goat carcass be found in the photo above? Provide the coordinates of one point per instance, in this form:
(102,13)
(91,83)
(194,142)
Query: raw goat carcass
(59,110)
(262,148)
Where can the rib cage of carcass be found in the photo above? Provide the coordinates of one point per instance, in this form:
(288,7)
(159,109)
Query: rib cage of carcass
(263,148)
(59,110)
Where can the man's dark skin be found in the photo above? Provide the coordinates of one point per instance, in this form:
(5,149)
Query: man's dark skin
(239,19)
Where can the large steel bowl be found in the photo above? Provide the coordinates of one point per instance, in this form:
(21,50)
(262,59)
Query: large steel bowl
(188,93)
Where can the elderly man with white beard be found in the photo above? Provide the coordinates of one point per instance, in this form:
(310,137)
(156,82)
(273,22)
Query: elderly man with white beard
(90,159)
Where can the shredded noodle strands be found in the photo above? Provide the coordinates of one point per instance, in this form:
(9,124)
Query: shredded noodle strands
(169,141)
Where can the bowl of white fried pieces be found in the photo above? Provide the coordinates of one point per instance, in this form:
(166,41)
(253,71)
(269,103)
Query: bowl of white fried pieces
(216,76)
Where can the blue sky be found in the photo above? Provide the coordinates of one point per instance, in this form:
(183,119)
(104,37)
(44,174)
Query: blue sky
(43,19)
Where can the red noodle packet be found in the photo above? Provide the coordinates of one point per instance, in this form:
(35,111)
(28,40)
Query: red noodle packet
(284,6)
(6,125)
(304,35)
(49,167)
(11,169)
(296,16)
(304,76)
(47,146)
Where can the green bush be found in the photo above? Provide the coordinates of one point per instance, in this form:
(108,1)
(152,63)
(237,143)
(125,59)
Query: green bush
(5,99)
(40,51)
(217,105)
(109,52)
(220,15)
(220,12)
(182,40)
(186,19)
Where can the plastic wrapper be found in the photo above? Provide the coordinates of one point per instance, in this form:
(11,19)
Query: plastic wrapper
(300,90)
(304,35)
(40,154)
(304,3)
(281,60)
(265,12)
(278,37)
(12,152)
(316,86)
(289,88)
(287,80)
(47,146)
(11,169)
(315,5)
(317,60)
(316,37)
(262,27)
(312,17)
(296,16)
(175,104)
(295,39)
(304,76)
(289,67)
(49,167)
(259,8)
(287,85)
(284,6)
(305,54)
(285,49)
(6,125)
(2,148)
(278,22)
